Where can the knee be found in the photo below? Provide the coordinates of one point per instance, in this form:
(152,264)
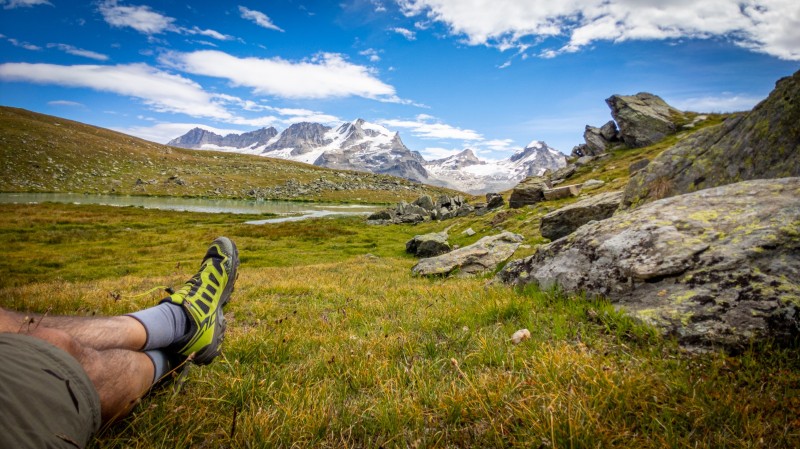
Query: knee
(59,339)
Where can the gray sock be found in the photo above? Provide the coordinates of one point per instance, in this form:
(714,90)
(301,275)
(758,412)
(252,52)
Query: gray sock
(165,324)
(162,364)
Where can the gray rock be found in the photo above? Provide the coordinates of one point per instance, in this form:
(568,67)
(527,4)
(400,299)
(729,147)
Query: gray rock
(592,184)
(468,232)
(428,245)
(566,220)
(595,142)
(644,118)
(425,202)
(483,255)
(764,143)
(714,267)
(530,191)
(580,150)
(638,165)
(494,200)
(563,173)
(609,131)
(556,193)
(583,160)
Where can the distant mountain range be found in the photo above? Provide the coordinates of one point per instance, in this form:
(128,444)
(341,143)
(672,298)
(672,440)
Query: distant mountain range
(368,147)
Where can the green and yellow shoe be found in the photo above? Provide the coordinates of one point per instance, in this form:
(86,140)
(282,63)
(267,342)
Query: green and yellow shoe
(203,297)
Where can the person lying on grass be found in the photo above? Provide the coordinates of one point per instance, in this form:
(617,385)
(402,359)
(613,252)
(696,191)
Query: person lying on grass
(61,377)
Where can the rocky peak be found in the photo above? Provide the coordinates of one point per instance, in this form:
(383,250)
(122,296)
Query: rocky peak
(195,137)
(301,136)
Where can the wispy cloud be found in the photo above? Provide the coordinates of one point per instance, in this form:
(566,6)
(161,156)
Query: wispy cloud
(722,103)
(11,4)
(326,75)
(79,52)
(766,26)
(406,33)
(371,53)
(141,18)
(23,44)
(145,20)
(66,103)
(259,18)
(425,127)
(161,91)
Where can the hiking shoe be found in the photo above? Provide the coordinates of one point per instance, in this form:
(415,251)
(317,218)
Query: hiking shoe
(203,297)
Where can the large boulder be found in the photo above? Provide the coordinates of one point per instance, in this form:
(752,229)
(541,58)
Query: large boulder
(595,142)
(483,255)
(719,267)
(644,118)
(428,245)
(530,191)
(564,221)
(764,143)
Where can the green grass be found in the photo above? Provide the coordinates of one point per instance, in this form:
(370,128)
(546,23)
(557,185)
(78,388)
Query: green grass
(332,343)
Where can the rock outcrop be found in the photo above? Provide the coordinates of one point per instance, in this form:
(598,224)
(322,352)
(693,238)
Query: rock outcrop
(718,267)
(764,143)
(644,118)
(566,220)
(428,245)
(423,208)
(483,255)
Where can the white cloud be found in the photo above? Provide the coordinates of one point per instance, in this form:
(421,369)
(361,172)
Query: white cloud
(25,45)
(723,103)
(140,18)
(11,4)
(66,103)
(431,153)
(767,26)
(164,132)
(161,91)
(424,129)
(406,33)
(372,54)
(326,75)
(259,18)
(209,33)
(146,21)
(79,52)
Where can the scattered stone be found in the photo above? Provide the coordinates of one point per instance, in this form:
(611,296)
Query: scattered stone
(566,220)
(428,245)
(717,267)
(563,173)
(592,184)
(520,336)
(557,193)
(494,200)
(483,255)
(638,165)
(583,160)
(468,232)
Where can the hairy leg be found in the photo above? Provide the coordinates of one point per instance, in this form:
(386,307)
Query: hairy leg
(120,376)
(100,333)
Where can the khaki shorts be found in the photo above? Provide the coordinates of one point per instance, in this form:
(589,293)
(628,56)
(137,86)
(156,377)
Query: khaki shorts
(46,398)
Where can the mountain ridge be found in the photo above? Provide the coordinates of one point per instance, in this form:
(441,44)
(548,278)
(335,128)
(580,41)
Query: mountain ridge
(363,146)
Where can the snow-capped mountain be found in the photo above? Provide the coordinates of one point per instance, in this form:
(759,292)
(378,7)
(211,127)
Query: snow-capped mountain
(365,146)
(465,172)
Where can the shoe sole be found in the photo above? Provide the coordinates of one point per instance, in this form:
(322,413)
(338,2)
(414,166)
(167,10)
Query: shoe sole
(206,355)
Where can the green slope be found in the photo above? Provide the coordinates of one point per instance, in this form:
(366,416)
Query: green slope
(42,153)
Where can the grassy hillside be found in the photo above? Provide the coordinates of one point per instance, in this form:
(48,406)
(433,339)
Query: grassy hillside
(42,153)
(332,343)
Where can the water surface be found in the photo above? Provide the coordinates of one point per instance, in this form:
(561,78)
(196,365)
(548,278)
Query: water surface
(289,210)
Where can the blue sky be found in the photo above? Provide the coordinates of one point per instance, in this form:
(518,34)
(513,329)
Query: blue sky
(491,75)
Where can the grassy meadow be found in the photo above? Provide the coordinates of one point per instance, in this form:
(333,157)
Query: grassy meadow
(332,343)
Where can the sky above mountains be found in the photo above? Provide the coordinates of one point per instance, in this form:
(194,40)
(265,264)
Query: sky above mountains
(490,75)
